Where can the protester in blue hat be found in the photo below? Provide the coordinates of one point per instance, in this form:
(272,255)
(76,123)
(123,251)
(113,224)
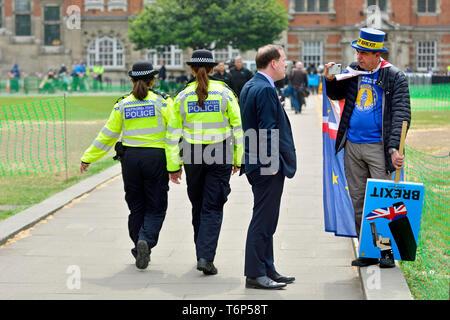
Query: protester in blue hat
(377,101)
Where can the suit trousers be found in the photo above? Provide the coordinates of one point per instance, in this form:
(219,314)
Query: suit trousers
(208,187)
(146,183)
(362,161)
(267,191)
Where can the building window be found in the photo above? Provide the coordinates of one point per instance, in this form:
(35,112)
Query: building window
(94,5)
(108,51)
(312,53)
(311,6)
(52,26)
(380,3)
(171,55)
(426,55)
(426,6)
(117,5)
(225,54)
(23,17)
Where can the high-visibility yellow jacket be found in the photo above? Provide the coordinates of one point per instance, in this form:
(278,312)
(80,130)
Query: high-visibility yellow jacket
(98,69)
(142,123)
(218,120)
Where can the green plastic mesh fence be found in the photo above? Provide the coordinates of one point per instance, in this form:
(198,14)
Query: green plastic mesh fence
(32,137)
(434,97)
(51,85)
(48,135)
(428,276)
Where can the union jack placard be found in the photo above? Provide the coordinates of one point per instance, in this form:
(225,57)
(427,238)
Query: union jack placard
(392,212)
(397,210)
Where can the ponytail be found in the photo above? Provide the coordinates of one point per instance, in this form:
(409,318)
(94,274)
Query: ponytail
(141,87)
(201,73)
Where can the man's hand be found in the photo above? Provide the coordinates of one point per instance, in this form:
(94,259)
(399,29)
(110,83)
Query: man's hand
(235,169)
(84,167)
(176,176)
(397,160)
(328,66)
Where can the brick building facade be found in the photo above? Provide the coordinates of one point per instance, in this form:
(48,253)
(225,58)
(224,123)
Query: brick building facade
(418,31)
(41,35)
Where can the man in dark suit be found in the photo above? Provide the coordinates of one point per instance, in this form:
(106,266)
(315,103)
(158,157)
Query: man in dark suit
(266,164)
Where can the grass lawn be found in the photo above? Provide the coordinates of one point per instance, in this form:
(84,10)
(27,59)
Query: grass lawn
(85,116)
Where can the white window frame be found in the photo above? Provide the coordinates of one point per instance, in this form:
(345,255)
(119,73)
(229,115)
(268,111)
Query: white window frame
(316,9)
(225,54)
(117,5)
(118,53)
(171,55)
(426,12)
(94,5)
(430,46)
(309,52)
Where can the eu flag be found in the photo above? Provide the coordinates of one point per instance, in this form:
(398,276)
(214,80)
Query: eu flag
(338,209)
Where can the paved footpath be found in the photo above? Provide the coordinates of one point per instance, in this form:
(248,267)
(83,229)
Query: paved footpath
(88,241)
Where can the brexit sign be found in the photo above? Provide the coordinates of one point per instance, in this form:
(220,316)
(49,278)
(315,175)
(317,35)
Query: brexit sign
(208,106)
(146,111)
(391,219)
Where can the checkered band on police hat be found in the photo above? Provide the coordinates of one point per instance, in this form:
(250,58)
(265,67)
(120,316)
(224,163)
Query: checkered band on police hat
(142,69)
(202,57)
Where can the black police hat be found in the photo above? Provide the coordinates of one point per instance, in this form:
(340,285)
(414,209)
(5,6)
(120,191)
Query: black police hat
(202,57)
(142,69)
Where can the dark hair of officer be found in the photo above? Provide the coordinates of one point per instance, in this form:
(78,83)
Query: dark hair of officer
(202,63)
(143,77)
(266,54)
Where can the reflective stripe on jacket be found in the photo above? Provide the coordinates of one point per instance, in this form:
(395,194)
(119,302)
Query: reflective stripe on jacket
(142,123)
(218,120)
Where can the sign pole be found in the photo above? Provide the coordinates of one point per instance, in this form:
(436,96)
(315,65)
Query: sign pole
(400,151)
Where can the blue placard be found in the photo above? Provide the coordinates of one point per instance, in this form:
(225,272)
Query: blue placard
(208,106)
(140,112)
(391,219)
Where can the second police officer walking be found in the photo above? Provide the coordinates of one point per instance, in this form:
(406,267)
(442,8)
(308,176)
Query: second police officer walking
(206,115)
(141,118)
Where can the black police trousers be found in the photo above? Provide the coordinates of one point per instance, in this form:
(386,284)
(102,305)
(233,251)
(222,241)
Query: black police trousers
(146,183)
(208,187)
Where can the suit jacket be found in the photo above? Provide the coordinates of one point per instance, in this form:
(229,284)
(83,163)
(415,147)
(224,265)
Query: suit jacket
(261,109)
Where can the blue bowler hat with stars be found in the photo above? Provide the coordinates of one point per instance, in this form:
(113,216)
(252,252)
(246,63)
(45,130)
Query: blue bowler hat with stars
(370,40)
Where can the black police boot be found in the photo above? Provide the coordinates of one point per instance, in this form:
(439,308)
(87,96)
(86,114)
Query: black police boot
(143,255)
(207,267)
(387,259)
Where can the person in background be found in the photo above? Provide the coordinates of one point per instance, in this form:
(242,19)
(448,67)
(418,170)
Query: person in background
(162,71)
(313,80)
(221,74)
(239,75)
(97,73)
(298,81)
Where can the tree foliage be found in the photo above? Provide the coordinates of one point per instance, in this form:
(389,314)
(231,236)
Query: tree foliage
(210,24)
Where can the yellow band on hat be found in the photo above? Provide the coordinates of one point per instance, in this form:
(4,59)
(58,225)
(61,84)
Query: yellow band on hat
(369,44)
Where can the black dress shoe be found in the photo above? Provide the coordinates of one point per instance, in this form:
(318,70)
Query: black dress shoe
(143,254)
(364,262)
(263,282)
(207,267)
(281,279)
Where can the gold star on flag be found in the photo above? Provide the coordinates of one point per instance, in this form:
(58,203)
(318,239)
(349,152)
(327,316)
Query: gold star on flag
(335,178)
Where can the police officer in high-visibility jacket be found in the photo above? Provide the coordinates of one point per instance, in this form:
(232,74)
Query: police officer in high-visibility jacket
(206,116)
(142,119)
